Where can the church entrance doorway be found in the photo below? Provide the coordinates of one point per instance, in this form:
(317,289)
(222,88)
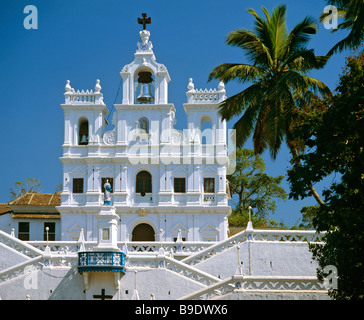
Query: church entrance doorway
(143,232)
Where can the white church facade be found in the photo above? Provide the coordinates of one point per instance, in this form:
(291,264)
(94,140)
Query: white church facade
(143,213)
(161,178)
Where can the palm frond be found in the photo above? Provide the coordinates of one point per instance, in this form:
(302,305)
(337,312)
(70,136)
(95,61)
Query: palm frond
(304,60)
(236,71)
(300,35)
(278,30)
(236,104)
(245,125)
(255,49)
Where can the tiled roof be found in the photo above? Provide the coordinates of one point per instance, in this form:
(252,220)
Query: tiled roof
(38,199)
(4,208)
(35,215)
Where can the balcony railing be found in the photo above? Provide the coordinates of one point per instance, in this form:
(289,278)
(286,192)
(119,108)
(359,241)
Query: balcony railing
(101,261)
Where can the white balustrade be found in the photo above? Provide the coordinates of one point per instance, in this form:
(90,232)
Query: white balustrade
(83,97)
(258,283)
(278,236)
(19,245)
(203,96)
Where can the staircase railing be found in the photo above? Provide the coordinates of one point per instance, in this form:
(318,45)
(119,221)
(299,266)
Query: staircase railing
(258,284)
(152,260)
(279,236)
(19,245)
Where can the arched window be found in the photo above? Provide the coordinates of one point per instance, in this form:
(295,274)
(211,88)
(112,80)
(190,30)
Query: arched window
(143,182)
(83,131)
(206,130)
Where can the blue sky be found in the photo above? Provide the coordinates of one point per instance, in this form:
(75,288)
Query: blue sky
(82,41)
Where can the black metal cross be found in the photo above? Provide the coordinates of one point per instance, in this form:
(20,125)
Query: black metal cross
(144,21)
(103,296)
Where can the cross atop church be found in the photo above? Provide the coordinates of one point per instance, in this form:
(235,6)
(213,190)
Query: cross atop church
(144,21)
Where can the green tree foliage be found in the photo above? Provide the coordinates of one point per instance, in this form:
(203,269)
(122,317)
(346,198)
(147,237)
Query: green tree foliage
(279,86)
(335,136)
(19,188)
(306,220)
(254,188)
(352,13)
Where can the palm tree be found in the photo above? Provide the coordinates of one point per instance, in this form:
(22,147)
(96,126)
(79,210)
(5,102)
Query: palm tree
(352,12)
(279,82)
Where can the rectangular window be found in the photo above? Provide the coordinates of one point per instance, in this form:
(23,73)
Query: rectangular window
(51,231)
(179,184)
(105,234)
(77,185)
(209,185)
(103,181)
(23,231)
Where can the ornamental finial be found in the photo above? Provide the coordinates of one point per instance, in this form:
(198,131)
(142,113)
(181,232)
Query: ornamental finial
(68,87)
(190,86)
(97,86)
(221,85)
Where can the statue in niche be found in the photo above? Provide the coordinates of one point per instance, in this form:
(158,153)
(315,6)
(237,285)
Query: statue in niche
(107,193)
(144,127)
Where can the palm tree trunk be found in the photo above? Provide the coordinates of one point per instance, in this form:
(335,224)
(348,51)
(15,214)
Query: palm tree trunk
(299,164)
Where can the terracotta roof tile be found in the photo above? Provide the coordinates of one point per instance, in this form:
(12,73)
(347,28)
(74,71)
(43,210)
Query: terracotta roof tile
(56,199)
(4,208)
(35,215)
(38,199)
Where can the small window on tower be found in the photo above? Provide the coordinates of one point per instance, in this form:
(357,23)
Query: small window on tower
(105,234)
(180,185)
(77,185)
(209,185)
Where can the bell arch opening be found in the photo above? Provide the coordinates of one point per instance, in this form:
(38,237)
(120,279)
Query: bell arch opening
(83,131)
(145,87)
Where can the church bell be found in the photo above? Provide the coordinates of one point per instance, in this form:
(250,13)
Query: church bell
(145,95)
(83,139)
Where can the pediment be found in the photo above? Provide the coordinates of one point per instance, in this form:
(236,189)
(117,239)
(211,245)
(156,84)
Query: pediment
(179,171)
(107,171)
(209,170)
(209,229)
(78,171)
(179,226)
(76,228)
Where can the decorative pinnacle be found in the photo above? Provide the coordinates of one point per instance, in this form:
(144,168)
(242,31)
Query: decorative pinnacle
(97,86)
(250,215)
(190,86)
(68,87)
